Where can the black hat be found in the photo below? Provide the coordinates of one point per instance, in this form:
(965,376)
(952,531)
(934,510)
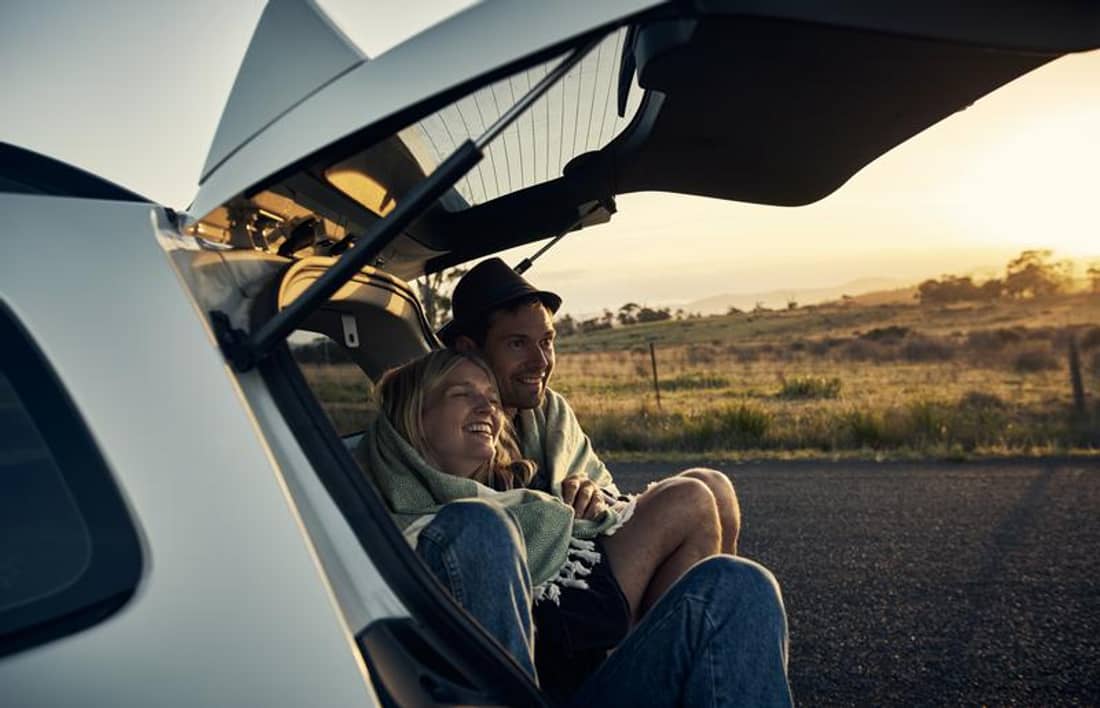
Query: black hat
(489,286)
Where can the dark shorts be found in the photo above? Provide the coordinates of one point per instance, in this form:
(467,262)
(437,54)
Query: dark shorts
(572,637)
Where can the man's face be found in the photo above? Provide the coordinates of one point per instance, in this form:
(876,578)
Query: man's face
(519,347)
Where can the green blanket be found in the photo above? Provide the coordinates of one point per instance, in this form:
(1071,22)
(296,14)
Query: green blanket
(559,548)
(551,436)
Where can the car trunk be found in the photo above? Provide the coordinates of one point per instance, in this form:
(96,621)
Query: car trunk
(778,104)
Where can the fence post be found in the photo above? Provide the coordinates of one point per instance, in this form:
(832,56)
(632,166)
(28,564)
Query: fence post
(1075,377)
(653,360)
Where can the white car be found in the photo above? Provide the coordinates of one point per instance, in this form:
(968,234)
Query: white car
(180,522)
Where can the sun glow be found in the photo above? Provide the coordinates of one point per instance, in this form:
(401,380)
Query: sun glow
(1036,186)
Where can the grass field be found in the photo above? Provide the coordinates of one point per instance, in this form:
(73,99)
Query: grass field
(839,380)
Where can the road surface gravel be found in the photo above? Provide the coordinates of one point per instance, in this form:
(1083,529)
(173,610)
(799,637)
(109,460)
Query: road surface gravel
(928,584)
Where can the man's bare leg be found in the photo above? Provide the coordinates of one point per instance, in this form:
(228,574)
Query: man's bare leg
(729,509)
(675,525)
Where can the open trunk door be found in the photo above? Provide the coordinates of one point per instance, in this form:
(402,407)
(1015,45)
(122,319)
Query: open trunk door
(775,103)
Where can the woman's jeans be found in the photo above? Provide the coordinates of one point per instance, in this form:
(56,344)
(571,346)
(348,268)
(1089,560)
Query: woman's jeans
(717,637)
(475,550)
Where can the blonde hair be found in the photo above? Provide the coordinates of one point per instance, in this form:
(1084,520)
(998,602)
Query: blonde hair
(402,393)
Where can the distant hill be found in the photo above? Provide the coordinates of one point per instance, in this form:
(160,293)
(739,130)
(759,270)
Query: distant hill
(843,321)
(897,296)
(874,291)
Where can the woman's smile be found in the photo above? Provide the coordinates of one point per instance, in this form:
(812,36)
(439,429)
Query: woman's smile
(462,420)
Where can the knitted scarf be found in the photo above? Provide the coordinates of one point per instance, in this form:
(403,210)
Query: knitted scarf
(560,551)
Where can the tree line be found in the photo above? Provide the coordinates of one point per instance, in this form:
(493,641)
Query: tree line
(1029,275)
(629,314)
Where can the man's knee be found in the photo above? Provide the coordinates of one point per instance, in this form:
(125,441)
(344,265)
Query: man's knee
(718,483)
(725,499)
(686,494)
(686,510)
(734,577)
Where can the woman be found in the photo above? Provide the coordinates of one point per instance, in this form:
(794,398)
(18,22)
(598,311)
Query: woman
(441,437)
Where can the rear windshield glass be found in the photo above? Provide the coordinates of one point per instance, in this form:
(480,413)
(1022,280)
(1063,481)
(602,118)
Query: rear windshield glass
(579,114)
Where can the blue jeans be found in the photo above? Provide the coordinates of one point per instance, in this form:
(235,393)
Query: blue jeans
(718,636)
(474,548)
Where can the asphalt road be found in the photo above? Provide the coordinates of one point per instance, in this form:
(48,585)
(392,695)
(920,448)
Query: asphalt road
(918,584)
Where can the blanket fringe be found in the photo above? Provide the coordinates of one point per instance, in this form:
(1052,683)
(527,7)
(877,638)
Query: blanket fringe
(625,510)
(581,557)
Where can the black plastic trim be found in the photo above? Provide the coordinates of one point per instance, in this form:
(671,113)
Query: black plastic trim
(25,172)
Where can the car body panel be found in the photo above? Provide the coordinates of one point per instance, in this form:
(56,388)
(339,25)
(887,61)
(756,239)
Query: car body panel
(233,608)
(296,51)
(230,281)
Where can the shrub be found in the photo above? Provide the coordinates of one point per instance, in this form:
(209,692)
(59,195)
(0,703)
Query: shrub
(695,381)
(861,429)
(820,347)
(1059,337)
(730,427)
(981,400)
(925,422)
(743,423)
(727,428)
(994,339)
(1091,338)
(808,387)
(741,354)
(893,333)
(1034,360)
(864,350)
(980,418)
(700,354)
(918,349)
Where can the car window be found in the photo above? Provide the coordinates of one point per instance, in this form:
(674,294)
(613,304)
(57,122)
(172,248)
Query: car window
(46,544)
(576,116)
(339,384)
(69,554)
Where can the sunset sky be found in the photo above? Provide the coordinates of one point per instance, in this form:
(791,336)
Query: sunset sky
(134,94)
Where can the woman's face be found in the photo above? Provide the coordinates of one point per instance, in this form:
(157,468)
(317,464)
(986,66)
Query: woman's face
(461,420)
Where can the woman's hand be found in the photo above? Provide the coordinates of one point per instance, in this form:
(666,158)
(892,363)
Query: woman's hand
(584,495)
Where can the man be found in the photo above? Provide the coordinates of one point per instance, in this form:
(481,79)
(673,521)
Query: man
(510,323)
(677,522)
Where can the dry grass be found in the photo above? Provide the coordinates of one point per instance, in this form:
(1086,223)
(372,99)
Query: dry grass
(915,382)
(343,390)
(902,381)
